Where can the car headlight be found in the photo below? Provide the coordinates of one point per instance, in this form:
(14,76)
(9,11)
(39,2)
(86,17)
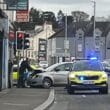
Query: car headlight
(104,76)
(71,76)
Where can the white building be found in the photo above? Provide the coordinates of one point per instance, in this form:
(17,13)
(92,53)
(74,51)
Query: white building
(45,32)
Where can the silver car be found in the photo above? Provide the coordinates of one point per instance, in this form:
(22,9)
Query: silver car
(53,75)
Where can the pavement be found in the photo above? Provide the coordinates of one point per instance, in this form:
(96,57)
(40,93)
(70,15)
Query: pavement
(26,98)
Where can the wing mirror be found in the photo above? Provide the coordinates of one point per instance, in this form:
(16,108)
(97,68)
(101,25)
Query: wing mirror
(57,69)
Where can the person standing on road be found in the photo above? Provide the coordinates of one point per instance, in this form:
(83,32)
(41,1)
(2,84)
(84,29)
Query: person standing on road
(24,65)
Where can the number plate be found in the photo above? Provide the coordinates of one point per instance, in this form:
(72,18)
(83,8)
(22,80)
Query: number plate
(87,82)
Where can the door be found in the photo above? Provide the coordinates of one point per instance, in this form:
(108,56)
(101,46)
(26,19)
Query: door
(61,73)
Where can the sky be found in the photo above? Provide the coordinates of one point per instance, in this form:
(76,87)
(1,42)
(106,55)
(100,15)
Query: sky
(67,6)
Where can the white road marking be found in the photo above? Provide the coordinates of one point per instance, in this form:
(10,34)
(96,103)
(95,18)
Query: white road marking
(16,104)
(23,95)
(48,102)
(55,102)
(84,96)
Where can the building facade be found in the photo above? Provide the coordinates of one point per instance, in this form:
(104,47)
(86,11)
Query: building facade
(44,32)
(82,43)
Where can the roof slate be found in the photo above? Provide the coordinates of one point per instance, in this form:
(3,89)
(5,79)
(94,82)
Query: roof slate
(86,26)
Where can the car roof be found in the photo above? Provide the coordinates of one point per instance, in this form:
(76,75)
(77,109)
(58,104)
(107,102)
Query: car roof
(87,61)
(57,64)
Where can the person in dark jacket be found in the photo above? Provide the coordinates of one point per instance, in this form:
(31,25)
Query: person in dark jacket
(24,65)
(10,69)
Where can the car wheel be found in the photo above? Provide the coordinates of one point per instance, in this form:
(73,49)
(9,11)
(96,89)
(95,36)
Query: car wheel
(69,90)
(47,83)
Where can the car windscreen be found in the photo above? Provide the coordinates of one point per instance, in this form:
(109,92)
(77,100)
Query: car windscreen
(83,66)
(51,67)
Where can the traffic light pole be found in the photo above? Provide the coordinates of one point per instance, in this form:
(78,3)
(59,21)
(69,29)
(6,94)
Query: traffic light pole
(26,53)
(23,48)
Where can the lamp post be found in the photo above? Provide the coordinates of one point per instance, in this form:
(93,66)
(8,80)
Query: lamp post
(65,34)
(94,2)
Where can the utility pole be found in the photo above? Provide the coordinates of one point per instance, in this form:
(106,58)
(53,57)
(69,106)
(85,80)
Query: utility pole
(94,2)
(94,19)
(46,41)
(65,41)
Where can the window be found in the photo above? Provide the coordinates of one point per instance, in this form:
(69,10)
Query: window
(60,67)
(68,66)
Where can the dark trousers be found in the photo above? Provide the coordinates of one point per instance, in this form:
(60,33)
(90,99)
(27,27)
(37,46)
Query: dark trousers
(20,81)
(9,83)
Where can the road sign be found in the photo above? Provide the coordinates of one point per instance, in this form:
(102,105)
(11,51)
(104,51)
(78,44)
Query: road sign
(22,16)
(17,4)
(42,49)
(11,36)
(80,48)
(66,44)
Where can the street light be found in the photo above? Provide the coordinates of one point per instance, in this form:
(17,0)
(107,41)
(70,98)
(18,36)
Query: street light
(65,41)
(94,2)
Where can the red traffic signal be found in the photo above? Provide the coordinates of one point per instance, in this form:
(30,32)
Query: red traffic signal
(20,35)
(19,39)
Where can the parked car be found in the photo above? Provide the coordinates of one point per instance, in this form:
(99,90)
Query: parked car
(43,64)
(106,60)
(106,67)
(54,75)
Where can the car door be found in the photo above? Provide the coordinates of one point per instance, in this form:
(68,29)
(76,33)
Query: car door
(60,74)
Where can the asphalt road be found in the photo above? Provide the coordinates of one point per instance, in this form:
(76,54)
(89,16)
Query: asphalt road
(84,100)
(23,98)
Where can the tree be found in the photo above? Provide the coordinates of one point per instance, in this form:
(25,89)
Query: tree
(69,19)
(60,16)
(49,16)
(39,17)
(79,16)
(35,16)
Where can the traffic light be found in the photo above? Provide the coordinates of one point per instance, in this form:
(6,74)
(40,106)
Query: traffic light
(19,39)
(26,40)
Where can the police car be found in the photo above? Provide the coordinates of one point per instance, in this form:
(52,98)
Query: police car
(87,75)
